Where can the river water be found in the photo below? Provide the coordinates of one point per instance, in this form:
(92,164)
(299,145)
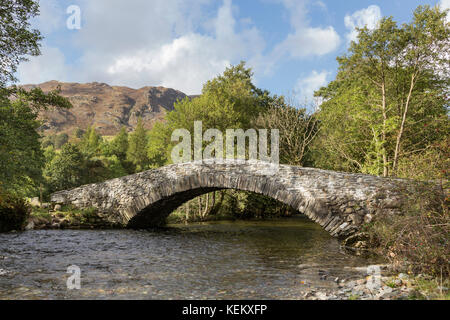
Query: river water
(276,259)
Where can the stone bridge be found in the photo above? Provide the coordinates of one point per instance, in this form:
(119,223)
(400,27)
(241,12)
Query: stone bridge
(339,202)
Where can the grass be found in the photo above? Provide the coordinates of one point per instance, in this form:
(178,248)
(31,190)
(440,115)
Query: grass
(70,213)
(391,284)
(430,289)
(41,213)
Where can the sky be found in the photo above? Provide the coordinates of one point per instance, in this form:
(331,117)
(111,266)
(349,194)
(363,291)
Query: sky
(291,45)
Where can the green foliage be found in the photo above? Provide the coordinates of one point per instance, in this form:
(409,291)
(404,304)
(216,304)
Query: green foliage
(89,160)
(55,140)
(21,157)
(228,101)
(297,130)
(417,239)
(90,142)
(389,99)
(433,163)
(79,133)
(14,212)
(119,145)
(158,151)
(137,147)
(247,205)
(114,167)
(47,142)
(17,38)
(60,140)
(66,169)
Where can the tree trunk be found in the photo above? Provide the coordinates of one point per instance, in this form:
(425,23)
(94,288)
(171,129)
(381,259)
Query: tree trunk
(188,209)
(213,200)
(383,132)
(402,126)
(200,206)
(205,212)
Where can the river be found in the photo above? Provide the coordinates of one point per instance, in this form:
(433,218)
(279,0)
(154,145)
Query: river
(274,259)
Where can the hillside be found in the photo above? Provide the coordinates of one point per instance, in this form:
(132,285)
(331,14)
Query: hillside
(106,108)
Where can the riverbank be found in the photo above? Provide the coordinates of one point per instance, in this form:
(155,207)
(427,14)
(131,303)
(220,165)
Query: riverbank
(388,285)
(64,217)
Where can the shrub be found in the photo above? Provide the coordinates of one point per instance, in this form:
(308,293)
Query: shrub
(13,212)
(60,140)
(418,237)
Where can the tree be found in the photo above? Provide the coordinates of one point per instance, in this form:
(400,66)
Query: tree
(21,157)
(297,130)
(119,145)
(137,148)
(90,143)
(158,150)
(114,167)
(228,101)
(67,169)
(79,133)
(60,140)
(424,56)
(389,96)
(17,40)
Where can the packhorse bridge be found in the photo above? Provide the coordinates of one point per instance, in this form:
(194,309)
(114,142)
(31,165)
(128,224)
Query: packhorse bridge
(339,202)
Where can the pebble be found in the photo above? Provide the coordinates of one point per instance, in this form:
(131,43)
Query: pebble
(357,289)
(3,272)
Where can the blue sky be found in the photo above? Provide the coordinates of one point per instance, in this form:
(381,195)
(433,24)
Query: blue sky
(291,45)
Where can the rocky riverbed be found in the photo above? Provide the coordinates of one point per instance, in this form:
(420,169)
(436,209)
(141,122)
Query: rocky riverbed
(386,286)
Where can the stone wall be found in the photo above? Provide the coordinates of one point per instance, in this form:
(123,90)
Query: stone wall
(339,202)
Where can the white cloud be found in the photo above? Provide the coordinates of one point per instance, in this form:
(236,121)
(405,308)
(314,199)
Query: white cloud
(445,4)
(189,60)
(174,43)
(309,41)
(305,40)
(144,43)
(305,87)
(50,17)
(365,17)
(48,66)
(185,64)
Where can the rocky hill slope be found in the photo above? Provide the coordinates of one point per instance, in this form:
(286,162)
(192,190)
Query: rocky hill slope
(106,108)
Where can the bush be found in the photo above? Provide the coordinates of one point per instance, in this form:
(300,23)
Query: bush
(431,164)
(418,237)
(14,212)
(60,140)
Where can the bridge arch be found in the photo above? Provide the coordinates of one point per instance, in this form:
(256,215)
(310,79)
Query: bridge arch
(339,202)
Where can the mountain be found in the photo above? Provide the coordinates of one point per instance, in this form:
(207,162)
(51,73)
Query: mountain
(106,108)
